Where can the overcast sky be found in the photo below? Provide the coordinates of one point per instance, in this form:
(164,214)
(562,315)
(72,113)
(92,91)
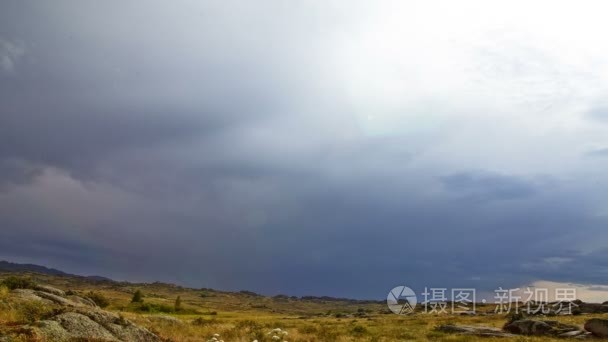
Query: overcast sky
(306,147)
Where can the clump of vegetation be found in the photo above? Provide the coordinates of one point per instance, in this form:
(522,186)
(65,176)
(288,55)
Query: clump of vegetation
(138,297)
(278,335)
(200,321)
(359,330)
(16,282)
(178,303)
(98,298)
(4,291)
(155,308)
(32,311)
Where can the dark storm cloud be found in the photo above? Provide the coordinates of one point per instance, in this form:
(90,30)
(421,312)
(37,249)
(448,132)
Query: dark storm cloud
(216,145)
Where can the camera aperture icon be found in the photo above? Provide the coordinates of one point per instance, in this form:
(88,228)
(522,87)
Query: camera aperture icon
(401,300)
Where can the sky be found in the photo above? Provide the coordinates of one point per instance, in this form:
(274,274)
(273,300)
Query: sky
(334,148)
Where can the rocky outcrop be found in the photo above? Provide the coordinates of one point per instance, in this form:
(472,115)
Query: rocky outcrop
(539,328)
(82,300)
(78,319)
(473,330)
(50,289)
(597,327)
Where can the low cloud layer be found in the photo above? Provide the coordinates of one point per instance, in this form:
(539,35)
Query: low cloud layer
(335,148)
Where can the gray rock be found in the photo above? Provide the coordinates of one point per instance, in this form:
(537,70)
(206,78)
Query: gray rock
(572,333)
(597,326)
(50,289)
(79,320)
(120,327)
(96,325)
(51,330)
(55,298)
(28,295)
(82,300)
(79,326)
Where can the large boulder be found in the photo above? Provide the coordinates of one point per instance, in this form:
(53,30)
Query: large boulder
(78,326)
(597,326)
(29,295)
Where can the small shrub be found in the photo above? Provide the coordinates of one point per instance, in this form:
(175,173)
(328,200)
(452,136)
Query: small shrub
(32,311)
(178,303)
(327,334)
(15,282)
(359,330)
(202,322)
(98,298)
(138,297)
(4,291)
(155,308)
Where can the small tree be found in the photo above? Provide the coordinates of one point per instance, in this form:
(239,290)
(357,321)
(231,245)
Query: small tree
(178,303)
(138,297)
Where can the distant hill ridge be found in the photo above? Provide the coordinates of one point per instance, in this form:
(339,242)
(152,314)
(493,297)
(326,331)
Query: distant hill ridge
(6,266)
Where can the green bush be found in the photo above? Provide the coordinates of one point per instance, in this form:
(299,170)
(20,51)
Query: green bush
(359,330)
(138,297)
(32,311)
(15,282)
(154,308)
(98,298)
(178,303)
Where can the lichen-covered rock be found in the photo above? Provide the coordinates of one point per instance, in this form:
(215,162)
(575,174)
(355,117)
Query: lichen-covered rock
(50,289)
(51,330)
(28,295)
(97,325)
(79,326)
(78,319)
(55,298)
(82,300)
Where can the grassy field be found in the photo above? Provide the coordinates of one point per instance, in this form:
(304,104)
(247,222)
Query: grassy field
(248,317)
